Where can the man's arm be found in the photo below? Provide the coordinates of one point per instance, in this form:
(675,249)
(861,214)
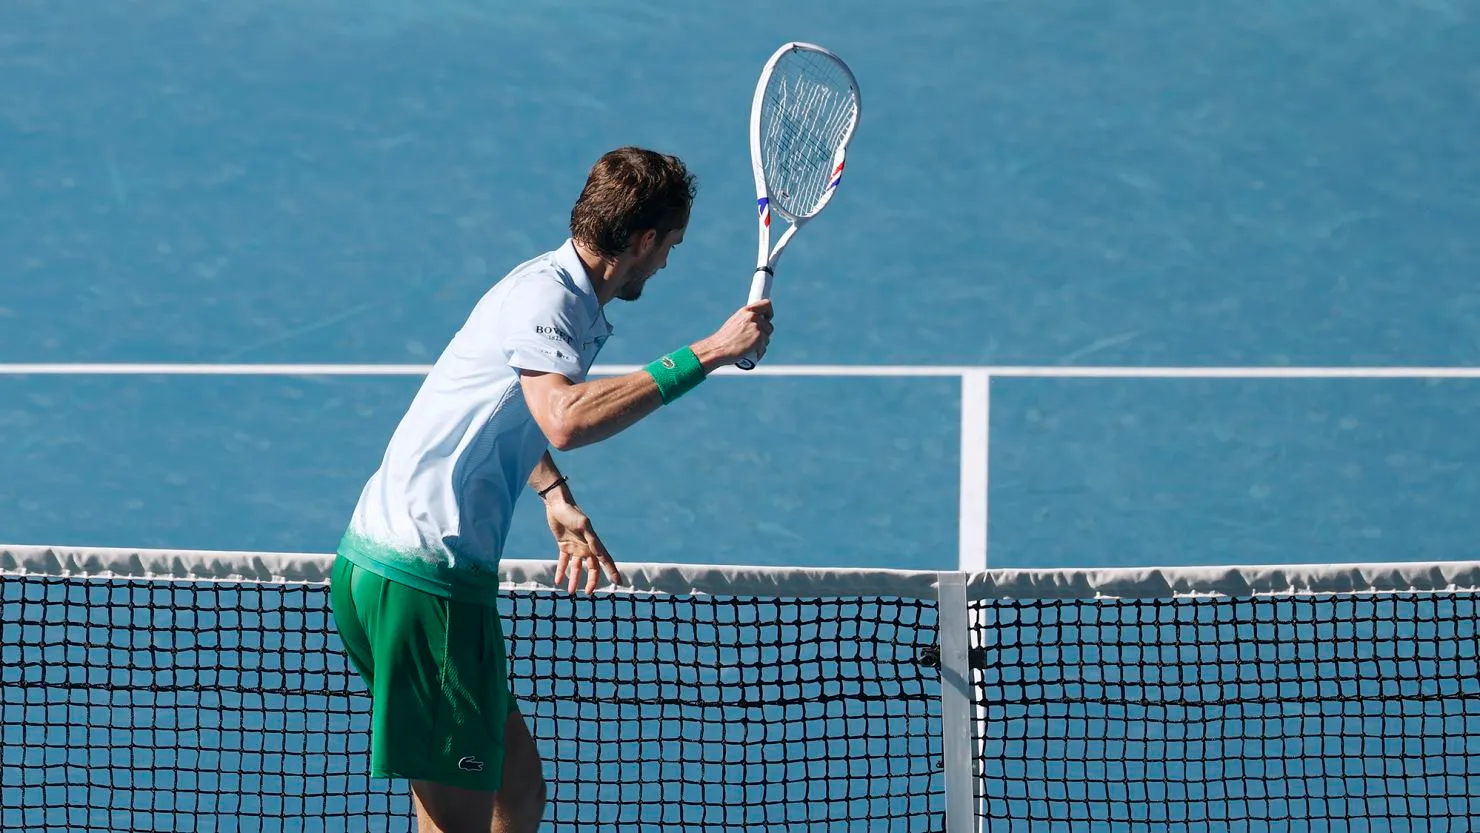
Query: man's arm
(572,415)
(580,547)
(547,474)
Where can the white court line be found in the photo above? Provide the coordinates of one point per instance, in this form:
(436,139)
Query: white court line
(184,369)
(862,370)
(976,413)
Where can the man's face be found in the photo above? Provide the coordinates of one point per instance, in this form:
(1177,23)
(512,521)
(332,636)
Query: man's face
(649,265)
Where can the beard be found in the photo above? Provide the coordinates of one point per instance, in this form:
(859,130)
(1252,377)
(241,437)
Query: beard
(633,290)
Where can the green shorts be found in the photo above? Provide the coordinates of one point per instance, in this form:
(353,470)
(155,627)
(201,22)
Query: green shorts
(437,676)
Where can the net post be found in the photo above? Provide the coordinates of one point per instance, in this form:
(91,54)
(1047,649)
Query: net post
(955,703)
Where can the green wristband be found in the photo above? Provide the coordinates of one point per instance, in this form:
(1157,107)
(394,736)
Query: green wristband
(676,373)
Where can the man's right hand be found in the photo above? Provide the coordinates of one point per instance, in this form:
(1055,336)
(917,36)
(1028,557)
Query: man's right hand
(747,331)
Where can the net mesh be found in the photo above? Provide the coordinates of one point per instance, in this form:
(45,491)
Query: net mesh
(166,705)
(808,112)
(1353,712)
(815,704)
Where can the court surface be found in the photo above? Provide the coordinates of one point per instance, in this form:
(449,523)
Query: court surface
(1063,184)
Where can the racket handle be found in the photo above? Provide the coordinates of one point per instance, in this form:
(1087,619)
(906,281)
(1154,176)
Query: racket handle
(760,285)
(760,290)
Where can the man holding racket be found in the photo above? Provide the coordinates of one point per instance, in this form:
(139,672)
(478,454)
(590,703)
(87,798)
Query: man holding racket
(415,581)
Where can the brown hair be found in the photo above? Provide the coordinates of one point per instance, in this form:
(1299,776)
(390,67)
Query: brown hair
(628,191)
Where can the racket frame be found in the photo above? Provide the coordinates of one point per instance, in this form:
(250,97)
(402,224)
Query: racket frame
(767,254)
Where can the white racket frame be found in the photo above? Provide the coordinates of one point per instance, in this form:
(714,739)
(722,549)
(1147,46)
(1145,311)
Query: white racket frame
(765,269)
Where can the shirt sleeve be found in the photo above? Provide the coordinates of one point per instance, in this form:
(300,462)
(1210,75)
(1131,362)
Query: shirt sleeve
(541,326)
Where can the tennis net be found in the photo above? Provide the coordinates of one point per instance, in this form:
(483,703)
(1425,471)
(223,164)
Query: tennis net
(151,691)
(1344,698)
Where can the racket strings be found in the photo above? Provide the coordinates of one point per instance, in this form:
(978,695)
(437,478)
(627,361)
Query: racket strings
(810,109)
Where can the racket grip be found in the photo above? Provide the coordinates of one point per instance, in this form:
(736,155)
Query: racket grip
(760,290)
(760,285)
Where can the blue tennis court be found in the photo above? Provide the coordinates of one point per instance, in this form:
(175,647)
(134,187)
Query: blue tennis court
(1060,184)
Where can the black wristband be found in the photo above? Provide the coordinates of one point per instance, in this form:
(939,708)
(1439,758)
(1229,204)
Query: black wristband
(547,489)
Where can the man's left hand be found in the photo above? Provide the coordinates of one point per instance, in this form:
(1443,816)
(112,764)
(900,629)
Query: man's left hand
(580,548)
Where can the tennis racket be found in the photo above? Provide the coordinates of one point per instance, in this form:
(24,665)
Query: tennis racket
(802,118)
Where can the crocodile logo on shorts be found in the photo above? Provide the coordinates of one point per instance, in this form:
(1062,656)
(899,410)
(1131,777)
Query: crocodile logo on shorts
(469,764)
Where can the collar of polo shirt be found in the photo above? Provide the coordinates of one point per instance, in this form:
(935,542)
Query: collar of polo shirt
(569,261)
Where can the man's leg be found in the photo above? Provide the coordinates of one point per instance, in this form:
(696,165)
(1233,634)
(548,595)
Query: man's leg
(441,707)
(517,807)
(521,801)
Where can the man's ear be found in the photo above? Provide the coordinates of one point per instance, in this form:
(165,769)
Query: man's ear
(643,242)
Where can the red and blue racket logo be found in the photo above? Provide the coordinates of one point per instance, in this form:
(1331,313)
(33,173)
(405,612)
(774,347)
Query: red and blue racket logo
(763,209)
(837,176)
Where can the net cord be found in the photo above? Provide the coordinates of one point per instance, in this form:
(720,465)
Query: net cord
(787,582)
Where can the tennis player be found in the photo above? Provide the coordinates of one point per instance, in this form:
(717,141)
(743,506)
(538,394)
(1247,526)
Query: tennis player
(416,577)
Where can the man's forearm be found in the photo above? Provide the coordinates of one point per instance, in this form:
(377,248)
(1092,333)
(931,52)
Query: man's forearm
(547,474)
(595,410)
(599,409)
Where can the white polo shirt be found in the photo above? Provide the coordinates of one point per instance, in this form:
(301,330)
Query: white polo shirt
(436,513)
